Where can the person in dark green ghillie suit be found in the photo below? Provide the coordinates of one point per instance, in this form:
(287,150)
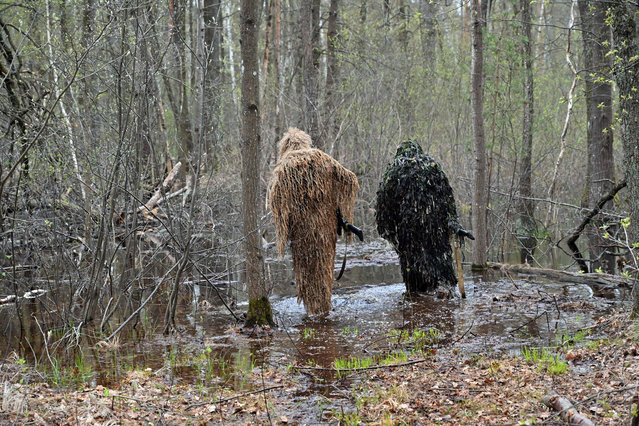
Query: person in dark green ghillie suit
(416,213)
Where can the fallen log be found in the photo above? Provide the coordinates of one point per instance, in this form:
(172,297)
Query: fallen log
(567,411)
(592,278)
(153,201)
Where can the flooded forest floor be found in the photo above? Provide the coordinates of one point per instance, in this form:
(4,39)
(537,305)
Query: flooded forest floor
(438,386)
(380,357)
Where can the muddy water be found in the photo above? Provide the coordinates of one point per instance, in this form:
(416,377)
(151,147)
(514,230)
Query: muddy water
(499,315)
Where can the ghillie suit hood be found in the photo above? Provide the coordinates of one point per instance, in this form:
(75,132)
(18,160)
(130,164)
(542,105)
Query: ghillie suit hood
(307,188)
(416,213)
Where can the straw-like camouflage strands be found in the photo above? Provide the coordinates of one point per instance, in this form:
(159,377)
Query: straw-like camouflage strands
(307,188)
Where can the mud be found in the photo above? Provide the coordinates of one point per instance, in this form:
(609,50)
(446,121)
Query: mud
(500,314)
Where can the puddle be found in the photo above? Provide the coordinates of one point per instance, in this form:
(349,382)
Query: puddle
(369,306)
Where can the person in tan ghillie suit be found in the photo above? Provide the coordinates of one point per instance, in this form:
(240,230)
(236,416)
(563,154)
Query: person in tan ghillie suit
(307,188)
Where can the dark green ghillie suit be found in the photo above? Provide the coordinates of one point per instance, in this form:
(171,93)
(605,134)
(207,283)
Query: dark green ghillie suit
(416,213)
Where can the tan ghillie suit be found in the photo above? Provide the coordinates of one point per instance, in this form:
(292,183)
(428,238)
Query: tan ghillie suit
(307,188)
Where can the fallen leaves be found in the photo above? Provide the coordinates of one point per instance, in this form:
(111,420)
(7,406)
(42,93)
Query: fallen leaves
(448,387)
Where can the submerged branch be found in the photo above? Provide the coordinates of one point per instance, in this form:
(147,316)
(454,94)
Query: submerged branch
(565,276)
(355,370)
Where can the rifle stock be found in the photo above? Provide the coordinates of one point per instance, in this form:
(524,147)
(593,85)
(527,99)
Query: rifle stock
(343,224)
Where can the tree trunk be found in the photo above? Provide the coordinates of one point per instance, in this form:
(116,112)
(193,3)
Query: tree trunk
(480,194)
(428,32)
(626,45)
(588,66)
(596,37)
(308,31)
(177,12)
(266,60)
(259,310)
(403,25)
(212,44)
(527,227)
(332,77)
(564,132)
(278,75)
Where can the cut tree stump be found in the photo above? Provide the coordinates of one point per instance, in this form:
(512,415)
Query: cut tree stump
(567,411)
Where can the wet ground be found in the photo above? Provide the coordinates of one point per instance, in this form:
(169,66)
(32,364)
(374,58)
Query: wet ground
(500,314)
(371,317)
(370,308)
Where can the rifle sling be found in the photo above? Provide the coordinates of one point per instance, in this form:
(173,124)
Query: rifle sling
(341,272)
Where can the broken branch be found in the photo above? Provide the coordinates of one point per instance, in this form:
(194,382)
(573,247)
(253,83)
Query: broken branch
(567,411)
(153,201)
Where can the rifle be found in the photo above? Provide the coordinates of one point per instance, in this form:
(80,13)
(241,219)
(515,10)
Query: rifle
(343,224)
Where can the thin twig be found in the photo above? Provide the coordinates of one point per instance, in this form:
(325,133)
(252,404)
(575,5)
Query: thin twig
(234,397)
(355,370)
(157,286)
(534,319)
(466,332)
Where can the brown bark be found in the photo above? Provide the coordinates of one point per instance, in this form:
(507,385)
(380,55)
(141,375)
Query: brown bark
(265,62)
(310,33)
(596,38)
(278,74)
(332,77)
(480,195)
(626,45)
(527,229)
(259,310)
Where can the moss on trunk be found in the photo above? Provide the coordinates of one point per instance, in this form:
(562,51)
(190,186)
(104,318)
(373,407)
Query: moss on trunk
(259,312)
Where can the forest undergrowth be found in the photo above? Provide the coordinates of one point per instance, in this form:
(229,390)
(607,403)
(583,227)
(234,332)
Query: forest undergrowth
(596,369)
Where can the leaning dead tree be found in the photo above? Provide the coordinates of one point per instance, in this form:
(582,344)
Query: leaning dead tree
(307,189)
(571,242)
